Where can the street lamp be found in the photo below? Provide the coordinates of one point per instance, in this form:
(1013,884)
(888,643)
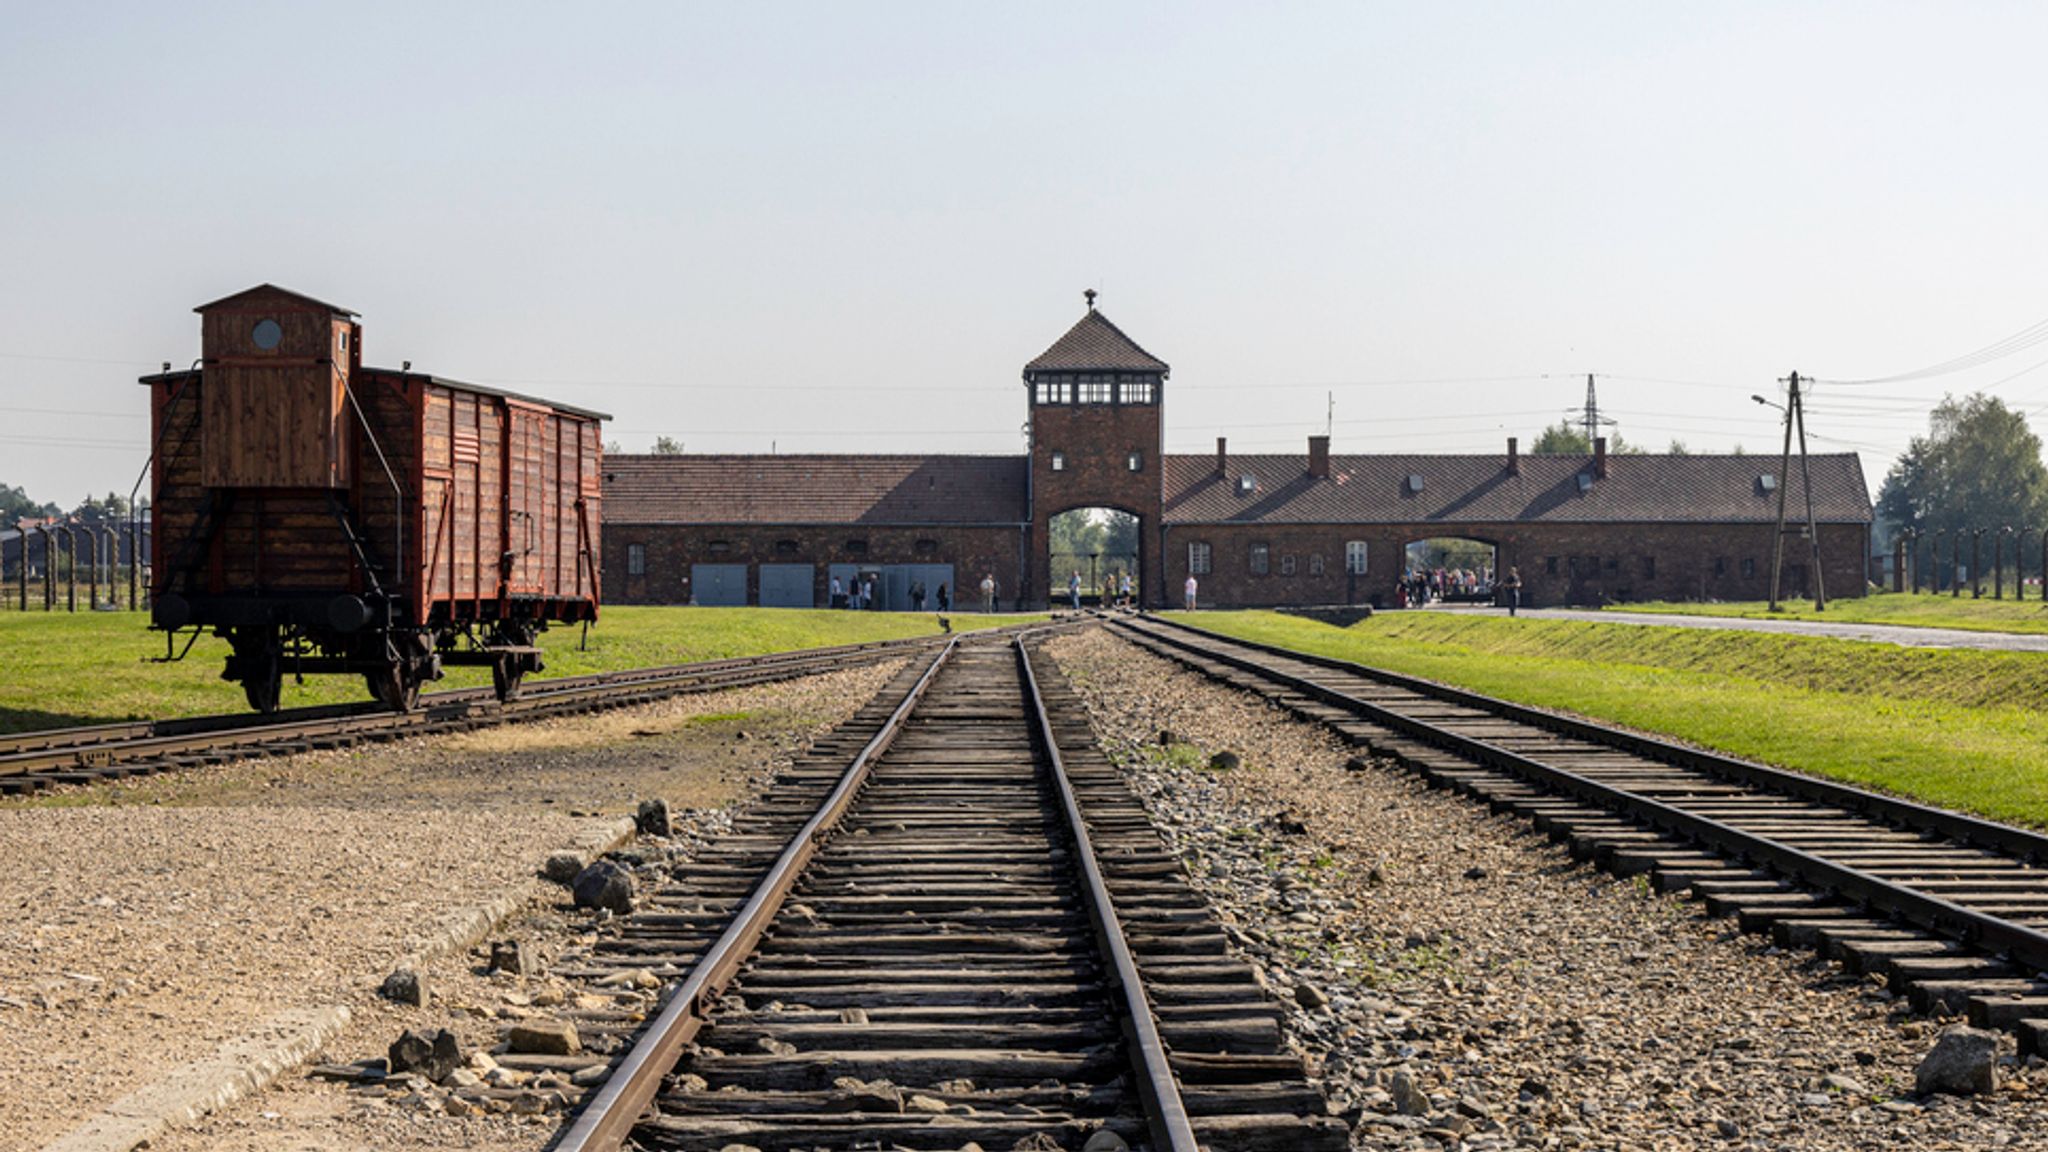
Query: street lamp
(2019,567)
(1998,563)
(1976,563)
(1778,525)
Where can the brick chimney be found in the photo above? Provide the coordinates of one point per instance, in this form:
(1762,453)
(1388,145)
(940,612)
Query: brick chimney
(1222,457)
(1319,457)
(1600,457)
(1514,458)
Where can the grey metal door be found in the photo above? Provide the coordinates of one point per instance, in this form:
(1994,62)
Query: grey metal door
(719,585)
(788,586)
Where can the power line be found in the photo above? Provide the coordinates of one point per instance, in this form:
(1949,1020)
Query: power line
(1997,350)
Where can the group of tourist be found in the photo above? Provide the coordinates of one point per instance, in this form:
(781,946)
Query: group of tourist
(860,594)
(1420,586)
(1115,590)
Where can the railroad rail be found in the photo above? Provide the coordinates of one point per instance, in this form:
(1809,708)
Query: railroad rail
(35,760)
(1952,910)
(950,923)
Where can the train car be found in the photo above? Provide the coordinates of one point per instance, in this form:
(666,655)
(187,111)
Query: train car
(325,517)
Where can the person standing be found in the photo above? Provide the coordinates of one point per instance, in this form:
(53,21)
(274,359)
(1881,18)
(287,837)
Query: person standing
(1511,589)
(1188,593)
(988,592)
(1123,589)
(838,593)
(1074,589)
(945,599)
(917,595)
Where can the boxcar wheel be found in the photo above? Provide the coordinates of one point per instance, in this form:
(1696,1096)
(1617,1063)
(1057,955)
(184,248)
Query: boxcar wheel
(395,688)
(506,673)
(263,681)
(258,663)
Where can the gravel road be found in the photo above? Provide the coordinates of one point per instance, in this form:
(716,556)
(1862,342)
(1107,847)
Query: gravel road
(162,918)
(1458,982)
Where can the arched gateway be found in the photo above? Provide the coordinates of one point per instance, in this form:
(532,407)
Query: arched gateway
(1097,441)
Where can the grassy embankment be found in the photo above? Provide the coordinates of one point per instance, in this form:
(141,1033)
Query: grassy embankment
(1906,609)
(1960,729)
(59,669)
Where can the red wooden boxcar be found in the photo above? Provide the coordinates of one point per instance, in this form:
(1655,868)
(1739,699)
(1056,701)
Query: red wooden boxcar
(327,517)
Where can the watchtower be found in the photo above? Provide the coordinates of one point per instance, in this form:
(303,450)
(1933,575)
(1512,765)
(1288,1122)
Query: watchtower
(275,406)
(1098,437)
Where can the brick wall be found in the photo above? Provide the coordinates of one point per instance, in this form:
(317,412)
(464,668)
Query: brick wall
(1096,441)
(673,548)
(1560,564)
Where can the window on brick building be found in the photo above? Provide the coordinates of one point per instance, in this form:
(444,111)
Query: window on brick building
(1054,390)
(1093,387)
(1198,558)
(1749,568)
(720,547)
(636,559)
(1354,557)
(1135,461)
(1287,565)
(1261,559)
(1136,390)
(1720,565)
(1059,461)
(1315,563)
(1649,567)
(787,547)
(857,547)
(1550,565)
(927,546)
(1614,563)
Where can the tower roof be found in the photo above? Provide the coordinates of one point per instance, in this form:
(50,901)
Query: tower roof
(272,291)
(1095,345)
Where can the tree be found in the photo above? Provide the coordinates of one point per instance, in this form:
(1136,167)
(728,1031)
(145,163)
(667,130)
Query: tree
(667,446)
(1567,439)
(1094,531)
(114,509)
(1678,448)
(1979,466)
(16,504)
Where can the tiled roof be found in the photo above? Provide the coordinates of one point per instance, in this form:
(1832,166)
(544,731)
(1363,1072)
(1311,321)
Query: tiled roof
(815,489)
(1479,489)
(1095,345)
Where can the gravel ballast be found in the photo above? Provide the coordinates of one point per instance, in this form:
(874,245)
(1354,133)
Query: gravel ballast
(155,922)
(1456,980)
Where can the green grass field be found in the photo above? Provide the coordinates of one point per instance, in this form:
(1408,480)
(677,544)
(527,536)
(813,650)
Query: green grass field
(1902,608)
(1961,729)
(60,669)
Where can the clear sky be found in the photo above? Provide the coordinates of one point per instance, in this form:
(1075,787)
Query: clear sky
(845,227)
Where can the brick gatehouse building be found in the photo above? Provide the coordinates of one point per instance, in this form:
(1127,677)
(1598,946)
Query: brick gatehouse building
(1257,530)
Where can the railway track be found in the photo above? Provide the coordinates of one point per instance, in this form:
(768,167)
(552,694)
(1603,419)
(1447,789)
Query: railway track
(950,922)
(35,760)
(1951,910)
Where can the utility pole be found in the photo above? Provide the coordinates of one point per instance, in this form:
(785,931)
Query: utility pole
(1820,586)
(1330,413)
(1784,468)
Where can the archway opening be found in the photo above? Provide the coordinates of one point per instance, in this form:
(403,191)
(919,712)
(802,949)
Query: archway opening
(1093,557)
(1449,570)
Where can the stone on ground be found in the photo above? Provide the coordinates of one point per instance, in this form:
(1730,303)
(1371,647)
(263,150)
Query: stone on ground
(1964,1063)
(434,1055)
(605,885)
